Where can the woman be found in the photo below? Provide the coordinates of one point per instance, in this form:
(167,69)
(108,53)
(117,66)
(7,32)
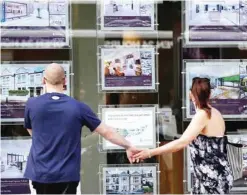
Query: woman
(205,135)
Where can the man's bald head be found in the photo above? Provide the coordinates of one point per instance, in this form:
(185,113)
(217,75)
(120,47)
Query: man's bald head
(54,74)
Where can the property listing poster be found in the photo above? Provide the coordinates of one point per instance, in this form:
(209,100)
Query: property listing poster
(136,124)
(211,22)
(127,15)
(127,68)
(34,23)
(14,155)
(228,81)
(18,83)
(130,180)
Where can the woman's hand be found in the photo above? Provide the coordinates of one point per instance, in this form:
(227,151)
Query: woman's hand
(142,155)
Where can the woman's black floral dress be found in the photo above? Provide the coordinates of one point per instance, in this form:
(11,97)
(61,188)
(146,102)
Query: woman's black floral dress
(212,173)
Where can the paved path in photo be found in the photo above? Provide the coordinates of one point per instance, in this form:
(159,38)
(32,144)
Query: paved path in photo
(11,172)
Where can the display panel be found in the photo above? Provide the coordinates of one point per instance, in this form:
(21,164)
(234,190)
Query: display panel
(215,23)
(131,179)
(136,124)
(20,81)
(238,162)
(228,86)
(167,123)
(34,23)
(14,154)
(165,115)
(126,68)
(127,15)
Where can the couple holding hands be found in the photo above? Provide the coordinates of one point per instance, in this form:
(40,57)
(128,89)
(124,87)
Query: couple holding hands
(54,120)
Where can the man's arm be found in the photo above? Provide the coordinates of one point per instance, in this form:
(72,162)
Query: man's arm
(95,125)
(111,135)
(30,132)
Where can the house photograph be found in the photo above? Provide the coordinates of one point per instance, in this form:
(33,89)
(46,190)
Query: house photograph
(22,81)
(27,80)
(129,180)
(18,82)
(14,155)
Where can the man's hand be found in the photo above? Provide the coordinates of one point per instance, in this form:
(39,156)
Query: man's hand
(131,151)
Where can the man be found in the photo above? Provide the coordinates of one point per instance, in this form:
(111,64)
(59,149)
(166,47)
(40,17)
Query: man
(54,120)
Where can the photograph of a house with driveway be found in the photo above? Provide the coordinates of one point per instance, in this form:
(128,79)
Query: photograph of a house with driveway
(130,180)
(228,81)
(18,82)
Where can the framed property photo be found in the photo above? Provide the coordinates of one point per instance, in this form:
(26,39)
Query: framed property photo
(127,15)
(136,124)
(215,23)
(14,155)
(20,81)
(228,79)
(126,68)
(131,179)
(35,24)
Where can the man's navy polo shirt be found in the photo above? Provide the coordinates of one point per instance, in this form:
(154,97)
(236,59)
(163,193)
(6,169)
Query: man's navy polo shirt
(56,121)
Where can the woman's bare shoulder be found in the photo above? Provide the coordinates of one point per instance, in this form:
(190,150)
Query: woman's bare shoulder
(202,114)
(215,110)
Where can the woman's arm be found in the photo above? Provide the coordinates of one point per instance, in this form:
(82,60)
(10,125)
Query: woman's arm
(195,127)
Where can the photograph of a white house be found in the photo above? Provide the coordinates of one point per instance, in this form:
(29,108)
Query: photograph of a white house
(14,154)
(214,13)
(129,180)
(18,82)
(24,80)
(33,13)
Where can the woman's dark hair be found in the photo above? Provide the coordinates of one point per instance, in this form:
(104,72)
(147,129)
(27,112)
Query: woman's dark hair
(201,90)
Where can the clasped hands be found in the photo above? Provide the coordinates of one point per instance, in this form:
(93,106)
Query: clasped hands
(137,155)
